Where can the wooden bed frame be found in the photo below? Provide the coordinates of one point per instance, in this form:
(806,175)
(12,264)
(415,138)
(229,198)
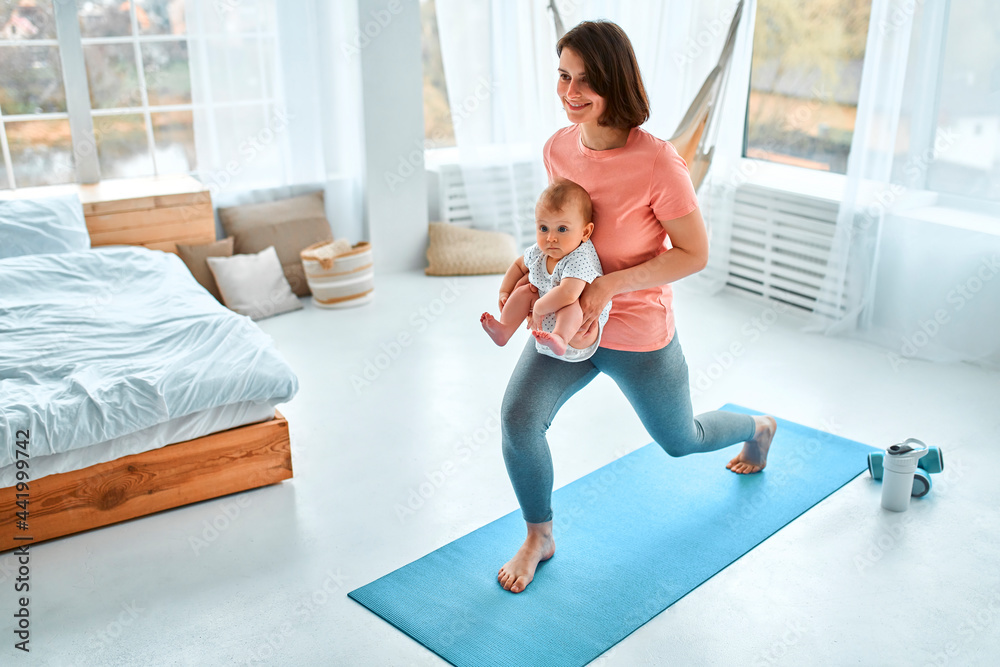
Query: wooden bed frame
(246,457)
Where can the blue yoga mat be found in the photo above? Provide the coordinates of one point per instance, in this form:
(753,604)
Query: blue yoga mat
(632,538)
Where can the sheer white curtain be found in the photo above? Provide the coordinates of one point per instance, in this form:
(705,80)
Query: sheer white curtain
(499,64)
(508,48)
(277,103)
(728,169)
(918,234)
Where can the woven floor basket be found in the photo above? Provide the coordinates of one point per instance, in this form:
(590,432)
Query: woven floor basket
(343,281)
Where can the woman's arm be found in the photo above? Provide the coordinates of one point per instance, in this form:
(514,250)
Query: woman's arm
(688,255)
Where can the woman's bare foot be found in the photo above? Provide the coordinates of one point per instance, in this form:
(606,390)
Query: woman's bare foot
(497,331)
(550,340)
(753,458)
(518,572)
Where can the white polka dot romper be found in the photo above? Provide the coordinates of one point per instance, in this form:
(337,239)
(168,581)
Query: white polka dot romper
(582,263)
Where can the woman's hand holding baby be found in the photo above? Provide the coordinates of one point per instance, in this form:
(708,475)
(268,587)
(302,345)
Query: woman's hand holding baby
(594,298)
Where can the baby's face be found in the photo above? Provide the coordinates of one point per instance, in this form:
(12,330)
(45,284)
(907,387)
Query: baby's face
(559,233)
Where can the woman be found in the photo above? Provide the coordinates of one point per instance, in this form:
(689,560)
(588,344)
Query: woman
(642,196)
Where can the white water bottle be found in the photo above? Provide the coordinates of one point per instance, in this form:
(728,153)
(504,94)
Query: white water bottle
(899,464)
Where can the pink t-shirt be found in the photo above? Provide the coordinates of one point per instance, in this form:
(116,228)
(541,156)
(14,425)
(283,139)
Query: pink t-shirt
(633,188)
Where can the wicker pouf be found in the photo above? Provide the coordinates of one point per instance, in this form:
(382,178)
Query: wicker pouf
(340,280)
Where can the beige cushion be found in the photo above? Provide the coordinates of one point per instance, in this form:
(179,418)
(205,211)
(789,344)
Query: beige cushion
(253,285)
(194,256)
(290,225)
(458,251)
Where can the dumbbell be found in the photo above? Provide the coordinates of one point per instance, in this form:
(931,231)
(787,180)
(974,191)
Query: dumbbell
(931,462)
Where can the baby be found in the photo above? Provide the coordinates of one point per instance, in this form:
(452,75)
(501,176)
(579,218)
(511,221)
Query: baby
(560,264)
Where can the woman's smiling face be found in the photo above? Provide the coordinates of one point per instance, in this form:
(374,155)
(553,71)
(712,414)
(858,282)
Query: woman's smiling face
(581,103)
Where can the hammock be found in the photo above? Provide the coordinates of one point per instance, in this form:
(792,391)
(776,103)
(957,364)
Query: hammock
(696,134)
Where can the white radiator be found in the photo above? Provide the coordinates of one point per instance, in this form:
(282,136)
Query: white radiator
(512,189)
(780,245)
(780,241)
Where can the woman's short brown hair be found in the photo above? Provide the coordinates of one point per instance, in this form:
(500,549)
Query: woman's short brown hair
(612,71)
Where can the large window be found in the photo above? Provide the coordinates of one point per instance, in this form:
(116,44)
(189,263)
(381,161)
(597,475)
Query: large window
(140,87)
(438,129)
(965,141)
(804,81)
(34,124)
(148,81)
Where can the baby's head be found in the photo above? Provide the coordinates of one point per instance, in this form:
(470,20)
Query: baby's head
(563,219)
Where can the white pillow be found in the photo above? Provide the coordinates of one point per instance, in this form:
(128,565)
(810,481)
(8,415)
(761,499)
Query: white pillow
(254,285)
(42,226)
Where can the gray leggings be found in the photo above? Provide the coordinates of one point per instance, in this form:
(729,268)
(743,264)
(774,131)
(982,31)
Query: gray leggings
(655,383)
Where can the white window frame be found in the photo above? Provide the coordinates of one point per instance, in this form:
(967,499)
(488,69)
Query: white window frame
(830,186)
(81,115)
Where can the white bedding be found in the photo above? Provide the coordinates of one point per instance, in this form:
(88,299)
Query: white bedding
(99,344)
(154,437)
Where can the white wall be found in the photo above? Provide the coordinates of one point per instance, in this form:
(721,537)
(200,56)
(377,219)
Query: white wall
(938,286)
(392,93)
(325,144)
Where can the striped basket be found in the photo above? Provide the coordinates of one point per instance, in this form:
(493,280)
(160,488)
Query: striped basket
(342,281)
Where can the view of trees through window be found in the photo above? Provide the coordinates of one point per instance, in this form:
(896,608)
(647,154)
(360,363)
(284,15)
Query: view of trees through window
(804,82)
(438,129)
(139,81)
(36,142)
(805,79)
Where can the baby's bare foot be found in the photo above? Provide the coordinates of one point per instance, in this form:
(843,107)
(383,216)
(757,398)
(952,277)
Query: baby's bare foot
(496,330)
(550,340)
(753,458)
(518,572)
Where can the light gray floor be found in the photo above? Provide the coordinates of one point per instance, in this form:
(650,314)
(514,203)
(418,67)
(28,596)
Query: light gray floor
(846,583)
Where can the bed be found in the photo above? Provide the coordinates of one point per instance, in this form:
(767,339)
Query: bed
(137,390)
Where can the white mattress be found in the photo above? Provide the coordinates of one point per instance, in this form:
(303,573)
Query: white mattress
(167,433)
(98,344)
